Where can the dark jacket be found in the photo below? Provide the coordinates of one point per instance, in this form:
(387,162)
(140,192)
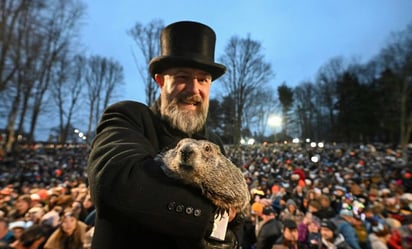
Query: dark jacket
(269,233)
(136,204)
(348,231)
(281,243)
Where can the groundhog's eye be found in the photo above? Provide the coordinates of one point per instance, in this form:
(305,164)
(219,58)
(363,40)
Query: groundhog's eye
(208,148)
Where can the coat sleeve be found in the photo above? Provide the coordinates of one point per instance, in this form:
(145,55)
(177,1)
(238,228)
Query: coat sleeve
(350,235)
(127,184)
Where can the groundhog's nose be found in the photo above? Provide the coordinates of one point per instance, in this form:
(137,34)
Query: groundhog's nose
(185,152)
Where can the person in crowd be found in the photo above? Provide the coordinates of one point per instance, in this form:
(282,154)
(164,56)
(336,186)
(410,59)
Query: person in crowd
(314,207)
(392,208)
(401,237)
(291,211)
(380,235)
(270,231)
(79,210)
(70,234)
(33,237)
(6,234)
(331,238)
(278,191)
(326,211)
(248,235)
(51,201)
(343,222)
(34,215)
(18,228)
(52,217)
(88,207)
(303,226)
(298,195)
(21,206)
(136,203)
(405,204)
(372,197)
(372,215)
(309,231)
(338,198)
(290,236)
(88,238)
(361,231)
(4,245)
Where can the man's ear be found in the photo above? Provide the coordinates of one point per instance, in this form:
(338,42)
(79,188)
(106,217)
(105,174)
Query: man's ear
(159,80)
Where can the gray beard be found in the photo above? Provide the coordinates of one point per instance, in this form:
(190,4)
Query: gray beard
(187,121)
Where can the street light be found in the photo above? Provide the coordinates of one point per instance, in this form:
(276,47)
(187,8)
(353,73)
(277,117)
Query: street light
(80,134)
(275,121)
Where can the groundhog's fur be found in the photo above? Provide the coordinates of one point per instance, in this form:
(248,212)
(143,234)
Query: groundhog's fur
(200,163)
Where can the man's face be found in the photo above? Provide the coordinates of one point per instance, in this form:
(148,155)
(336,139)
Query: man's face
(184,97)
(291,234)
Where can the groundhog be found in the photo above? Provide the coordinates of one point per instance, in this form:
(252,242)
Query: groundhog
(200,163)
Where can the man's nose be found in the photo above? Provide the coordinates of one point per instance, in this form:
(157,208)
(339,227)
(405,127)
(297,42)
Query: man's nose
(193,85)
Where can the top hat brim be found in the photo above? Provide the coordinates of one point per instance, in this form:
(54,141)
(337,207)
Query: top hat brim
(162,63)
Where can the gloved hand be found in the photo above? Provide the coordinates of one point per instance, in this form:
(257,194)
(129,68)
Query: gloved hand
(230,242)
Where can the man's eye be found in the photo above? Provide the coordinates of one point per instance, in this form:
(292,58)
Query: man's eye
(182,76)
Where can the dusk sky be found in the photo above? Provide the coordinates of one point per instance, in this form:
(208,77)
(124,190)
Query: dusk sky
(297,37)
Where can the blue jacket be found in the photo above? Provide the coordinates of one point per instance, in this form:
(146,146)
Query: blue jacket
(348,231)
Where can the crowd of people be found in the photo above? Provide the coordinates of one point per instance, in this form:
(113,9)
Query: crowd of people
(336,196)
(116,194)
(357,196)
(44,199)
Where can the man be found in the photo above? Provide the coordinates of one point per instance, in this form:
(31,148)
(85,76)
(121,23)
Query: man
(338,198)
(6,234)
(401,236)
(331,238)
(270,231)
(290,236)
(343,222)
(136,203)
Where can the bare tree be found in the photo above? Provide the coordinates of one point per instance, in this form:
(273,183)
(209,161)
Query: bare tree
(66,91)
(42,33)
(102,77)
(61,20)
(147,41)
(20,57)
(11,11)
(247,72)
(260,107)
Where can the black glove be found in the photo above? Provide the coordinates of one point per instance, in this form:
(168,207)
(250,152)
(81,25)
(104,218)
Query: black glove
(230,242)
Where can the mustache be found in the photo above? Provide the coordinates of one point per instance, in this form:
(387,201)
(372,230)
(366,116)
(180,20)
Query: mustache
(190,98)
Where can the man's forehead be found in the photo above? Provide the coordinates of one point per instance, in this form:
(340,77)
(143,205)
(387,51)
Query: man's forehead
(186,70)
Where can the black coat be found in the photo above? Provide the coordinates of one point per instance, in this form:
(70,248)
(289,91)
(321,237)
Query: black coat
(269,233)
(136,203)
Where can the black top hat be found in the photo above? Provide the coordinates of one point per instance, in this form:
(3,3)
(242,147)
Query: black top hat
(187,44)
